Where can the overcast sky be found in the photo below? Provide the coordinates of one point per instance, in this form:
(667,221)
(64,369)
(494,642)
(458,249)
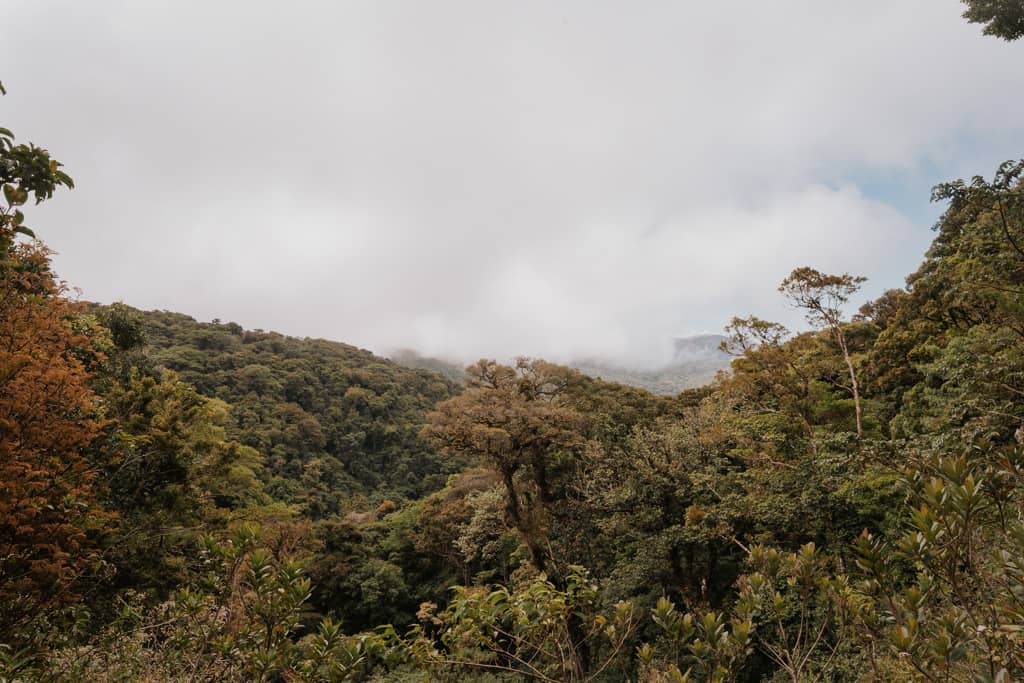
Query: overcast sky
(563,179)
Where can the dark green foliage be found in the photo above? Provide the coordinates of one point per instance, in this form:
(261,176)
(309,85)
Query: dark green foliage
(25,170)
(1002,18)
(333,422)
(171,474)
(354,576)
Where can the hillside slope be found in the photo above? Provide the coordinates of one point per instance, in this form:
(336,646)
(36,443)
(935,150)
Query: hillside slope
(333,421)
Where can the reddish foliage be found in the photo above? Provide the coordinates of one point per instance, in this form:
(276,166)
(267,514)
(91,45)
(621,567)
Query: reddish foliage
(48,514)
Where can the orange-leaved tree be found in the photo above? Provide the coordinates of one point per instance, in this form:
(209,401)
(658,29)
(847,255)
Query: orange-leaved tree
(49,517)
(47,510)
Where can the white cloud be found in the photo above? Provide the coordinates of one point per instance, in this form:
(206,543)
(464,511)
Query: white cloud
(472,178)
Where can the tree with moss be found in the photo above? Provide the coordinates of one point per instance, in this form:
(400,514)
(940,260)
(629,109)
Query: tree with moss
(516,420)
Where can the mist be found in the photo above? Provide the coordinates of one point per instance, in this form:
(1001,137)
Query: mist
(556,179)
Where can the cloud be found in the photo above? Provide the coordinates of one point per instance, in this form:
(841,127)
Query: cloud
(546,178)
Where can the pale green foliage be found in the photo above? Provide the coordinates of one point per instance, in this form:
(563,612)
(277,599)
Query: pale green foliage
(803,612)
(539,631)
(962,613)
(239,620)
(708,644)
(484,537)
(789,609)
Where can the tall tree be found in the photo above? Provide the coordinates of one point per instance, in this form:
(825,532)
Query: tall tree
(768,369)
(821,297)
(516,420)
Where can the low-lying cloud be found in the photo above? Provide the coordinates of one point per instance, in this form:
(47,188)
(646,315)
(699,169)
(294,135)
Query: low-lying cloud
(567,179)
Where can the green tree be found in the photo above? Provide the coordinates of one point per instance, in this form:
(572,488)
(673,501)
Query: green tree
(822,296)
(950,355)
(172,474)
(516,420)
(25,170)
(773,375)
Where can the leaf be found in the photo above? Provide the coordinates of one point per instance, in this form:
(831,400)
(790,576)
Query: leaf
(64,178)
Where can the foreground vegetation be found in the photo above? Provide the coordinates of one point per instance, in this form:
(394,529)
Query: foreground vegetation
(194,501)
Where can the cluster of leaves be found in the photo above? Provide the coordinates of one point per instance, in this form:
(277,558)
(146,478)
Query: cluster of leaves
(537,630)
(239,617)
(1002,18)
(960,612)
(25,171)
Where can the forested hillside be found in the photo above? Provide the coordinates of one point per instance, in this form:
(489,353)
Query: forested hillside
(337,426)
(186,501)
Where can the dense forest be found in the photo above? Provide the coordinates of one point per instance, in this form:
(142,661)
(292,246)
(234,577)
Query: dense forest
(195,501)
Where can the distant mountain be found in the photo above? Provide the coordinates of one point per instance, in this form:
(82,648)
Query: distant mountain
(701,346)
(411,359)
(695,362)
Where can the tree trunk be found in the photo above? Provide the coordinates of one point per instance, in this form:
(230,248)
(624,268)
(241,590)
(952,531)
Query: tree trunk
(513,498)
(540,474)
(841,338)
(521,524)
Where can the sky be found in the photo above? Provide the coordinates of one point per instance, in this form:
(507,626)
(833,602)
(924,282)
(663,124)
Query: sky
(566,179)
